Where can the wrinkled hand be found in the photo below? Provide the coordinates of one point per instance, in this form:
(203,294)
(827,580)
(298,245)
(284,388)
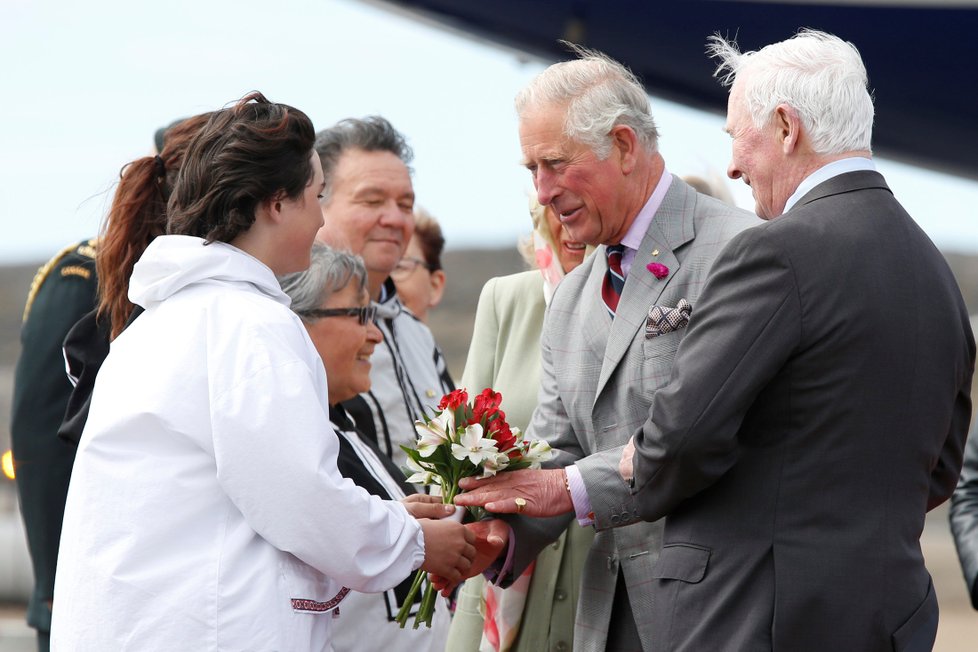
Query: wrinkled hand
(491,540)
(626,467)
(448,549)
(427,506)
(544,491)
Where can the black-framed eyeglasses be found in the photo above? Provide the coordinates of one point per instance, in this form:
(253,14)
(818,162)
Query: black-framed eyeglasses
(364,314)
(406,266)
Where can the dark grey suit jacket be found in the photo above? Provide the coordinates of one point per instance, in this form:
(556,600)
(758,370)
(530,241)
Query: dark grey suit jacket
(818,408)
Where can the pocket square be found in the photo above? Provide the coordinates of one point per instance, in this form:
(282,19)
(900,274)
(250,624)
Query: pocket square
(662,320)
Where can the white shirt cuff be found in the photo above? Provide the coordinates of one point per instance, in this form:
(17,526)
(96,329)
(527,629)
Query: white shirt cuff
(578,492)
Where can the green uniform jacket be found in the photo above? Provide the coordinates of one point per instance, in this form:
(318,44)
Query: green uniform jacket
(63,290)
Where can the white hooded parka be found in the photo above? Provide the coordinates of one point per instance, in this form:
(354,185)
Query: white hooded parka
(205,510)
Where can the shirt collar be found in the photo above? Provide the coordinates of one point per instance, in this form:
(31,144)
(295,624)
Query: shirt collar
(640,226)
(389,305)
(826,172)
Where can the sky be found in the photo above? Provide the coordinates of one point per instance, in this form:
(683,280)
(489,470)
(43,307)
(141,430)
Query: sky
(86,84)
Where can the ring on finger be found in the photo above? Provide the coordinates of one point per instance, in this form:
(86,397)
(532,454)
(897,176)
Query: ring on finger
(520,504)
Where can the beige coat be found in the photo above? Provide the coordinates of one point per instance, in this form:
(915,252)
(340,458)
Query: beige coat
(505,354)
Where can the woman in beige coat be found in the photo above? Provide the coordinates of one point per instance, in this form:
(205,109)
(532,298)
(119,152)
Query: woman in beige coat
(537,611)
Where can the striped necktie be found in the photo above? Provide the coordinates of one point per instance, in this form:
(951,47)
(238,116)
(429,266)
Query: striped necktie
(614,280)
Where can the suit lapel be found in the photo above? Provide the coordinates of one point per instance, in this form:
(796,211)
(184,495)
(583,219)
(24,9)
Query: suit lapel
(672,227)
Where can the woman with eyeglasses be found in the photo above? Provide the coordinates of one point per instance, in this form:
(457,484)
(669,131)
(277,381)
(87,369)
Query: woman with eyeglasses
(419,276)
(332,300)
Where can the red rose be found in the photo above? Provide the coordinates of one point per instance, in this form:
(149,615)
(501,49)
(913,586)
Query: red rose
(454,399)
(500,431)
(486,403)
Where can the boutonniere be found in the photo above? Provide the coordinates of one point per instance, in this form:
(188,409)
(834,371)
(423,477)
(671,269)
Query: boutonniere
(658,270)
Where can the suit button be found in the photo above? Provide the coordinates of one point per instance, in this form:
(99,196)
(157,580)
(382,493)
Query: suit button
(556,545)
(561,646)
(560,594)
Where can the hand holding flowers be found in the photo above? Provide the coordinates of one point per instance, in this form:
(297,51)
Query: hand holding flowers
(544,493)
(464,440)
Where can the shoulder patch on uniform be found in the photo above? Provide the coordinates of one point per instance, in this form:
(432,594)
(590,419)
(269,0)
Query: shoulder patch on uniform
(45,269)
(76,270)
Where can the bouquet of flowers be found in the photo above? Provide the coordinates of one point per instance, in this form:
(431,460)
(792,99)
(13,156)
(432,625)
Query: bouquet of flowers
(460,441)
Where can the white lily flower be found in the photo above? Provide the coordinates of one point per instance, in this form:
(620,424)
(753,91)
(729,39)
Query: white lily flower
(421,475)
(538,452)
(474,446)
(493,464)
(434,433)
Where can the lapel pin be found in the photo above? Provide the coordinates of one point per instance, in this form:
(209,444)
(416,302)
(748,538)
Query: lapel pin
(655,252)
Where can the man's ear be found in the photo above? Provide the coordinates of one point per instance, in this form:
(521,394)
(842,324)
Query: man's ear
(625,142)
(787,124)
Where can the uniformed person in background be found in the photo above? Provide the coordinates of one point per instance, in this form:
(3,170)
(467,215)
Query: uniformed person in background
(63,290)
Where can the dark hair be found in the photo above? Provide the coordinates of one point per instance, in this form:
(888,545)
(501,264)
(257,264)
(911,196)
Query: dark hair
(137,215)
(371,134)
(430,239)
(247,154)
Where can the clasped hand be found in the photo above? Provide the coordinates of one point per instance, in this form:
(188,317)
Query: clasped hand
(449,547)
(486,539)
(626,466)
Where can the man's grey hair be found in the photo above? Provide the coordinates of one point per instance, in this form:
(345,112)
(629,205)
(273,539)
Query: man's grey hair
(599,94)
(371,134)
(817,74)
(330,271)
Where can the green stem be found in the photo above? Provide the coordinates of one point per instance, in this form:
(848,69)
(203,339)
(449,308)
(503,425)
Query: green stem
(405,610)
(427,607)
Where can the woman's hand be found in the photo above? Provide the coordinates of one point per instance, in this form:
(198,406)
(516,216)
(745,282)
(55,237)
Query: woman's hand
(491,540)
(425,506)
(448,549)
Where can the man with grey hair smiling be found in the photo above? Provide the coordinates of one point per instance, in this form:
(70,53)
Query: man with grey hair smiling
(820,402)
(590,143)
(368,206)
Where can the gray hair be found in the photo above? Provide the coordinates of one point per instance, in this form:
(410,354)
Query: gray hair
(599,94)
(330,271)
(371,134)
(819,75)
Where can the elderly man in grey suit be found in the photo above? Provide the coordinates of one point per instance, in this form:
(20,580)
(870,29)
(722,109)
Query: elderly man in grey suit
(590,142)
(819,403)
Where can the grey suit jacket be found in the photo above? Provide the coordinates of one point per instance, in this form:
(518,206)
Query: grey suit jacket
(818,408)
(598,379)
